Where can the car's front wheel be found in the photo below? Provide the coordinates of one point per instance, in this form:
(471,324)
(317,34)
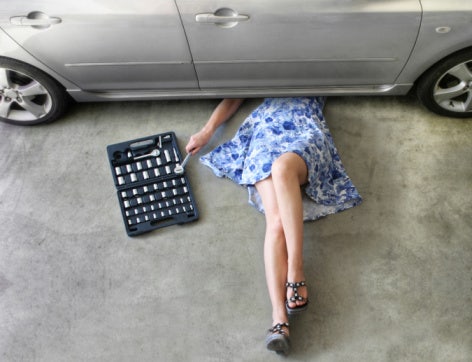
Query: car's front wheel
(446,88)
(29,96)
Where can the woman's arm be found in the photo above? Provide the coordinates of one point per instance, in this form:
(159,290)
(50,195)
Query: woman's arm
(223,111)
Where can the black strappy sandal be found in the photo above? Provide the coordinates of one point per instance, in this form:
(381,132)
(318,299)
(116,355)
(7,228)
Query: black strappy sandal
(296,297)
(277,340)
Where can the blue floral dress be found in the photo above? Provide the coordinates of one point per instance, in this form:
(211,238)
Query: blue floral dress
(281,125)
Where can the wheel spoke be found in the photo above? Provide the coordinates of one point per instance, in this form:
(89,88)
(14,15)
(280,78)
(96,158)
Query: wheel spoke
(4,79)
(4,108)
(35,109)
(32,89)
(468,103)
(461,72)
(446,94)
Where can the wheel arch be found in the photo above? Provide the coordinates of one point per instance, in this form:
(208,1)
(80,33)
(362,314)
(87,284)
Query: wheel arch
(437,62)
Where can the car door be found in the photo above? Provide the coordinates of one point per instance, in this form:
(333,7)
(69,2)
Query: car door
(299,43)
(105,44)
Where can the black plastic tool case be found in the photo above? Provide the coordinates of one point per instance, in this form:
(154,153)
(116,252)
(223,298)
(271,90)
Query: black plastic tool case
(151,195)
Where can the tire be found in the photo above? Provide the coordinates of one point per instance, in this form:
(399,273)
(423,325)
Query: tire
(446,88)
(29,96)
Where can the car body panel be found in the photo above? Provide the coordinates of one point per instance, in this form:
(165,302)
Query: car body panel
(290,43)
(10,49)
(105,50)
(106,44)
(446,28)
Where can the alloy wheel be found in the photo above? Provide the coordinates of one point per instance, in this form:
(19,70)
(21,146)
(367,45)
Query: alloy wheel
(22,98)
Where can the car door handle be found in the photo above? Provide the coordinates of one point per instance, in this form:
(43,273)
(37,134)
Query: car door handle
(35,19)
(216,19)
(223,17)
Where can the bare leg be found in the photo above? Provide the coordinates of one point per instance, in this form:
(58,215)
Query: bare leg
(275,251)
(283,246)
(289,172)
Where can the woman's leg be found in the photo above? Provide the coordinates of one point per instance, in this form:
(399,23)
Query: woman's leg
(275,251)
(289,172)
(283,246)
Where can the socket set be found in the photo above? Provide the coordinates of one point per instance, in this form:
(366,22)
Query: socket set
(153,190)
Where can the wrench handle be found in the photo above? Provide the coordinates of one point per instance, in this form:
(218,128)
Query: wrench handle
(186,159)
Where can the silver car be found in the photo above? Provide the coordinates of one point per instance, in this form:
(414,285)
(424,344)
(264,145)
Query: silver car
(53,52)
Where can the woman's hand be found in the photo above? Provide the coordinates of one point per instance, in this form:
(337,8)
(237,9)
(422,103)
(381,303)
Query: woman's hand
(197,141)
(221,114)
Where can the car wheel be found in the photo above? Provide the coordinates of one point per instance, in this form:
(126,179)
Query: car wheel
(29,96)
(446,88)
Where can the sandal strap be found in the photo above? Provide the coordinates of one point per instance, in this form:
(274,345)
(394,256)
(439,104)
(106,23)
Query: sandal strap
(295,287)
(278,328)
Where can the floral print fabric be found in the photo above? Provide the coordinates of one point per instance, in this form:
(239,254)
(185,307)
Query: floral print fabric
(281,125)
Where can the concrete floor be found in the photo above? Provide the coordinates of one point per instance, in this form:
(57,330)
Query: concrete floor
(389,280)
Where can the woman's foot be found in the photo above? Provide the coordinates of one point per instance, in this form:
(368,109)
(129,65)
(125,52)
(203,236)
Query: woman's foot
(278,339)
(297,297)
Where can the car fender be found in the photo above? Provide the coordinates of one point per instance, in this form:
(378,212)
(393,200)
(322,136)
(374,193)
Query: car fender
(441,34)
(11,49)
